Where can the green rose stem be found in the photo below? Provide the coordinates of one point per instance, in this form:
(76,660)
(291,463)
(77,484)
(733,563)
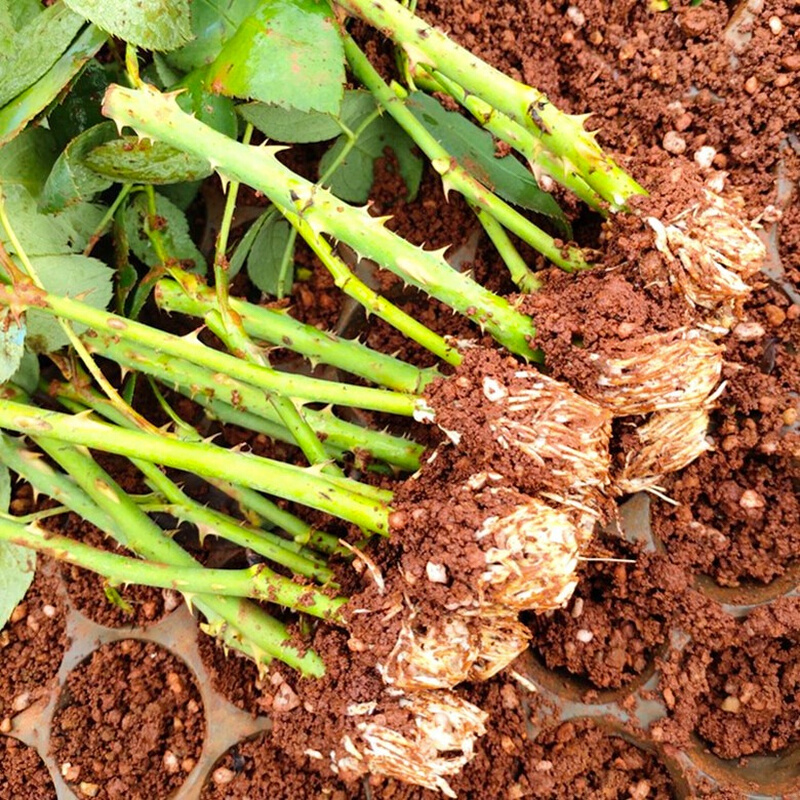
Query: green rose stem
(373,450)
(159,116)
(257,583)
(526,142)
(216,391)
(250,626)
(23,296)
(208,521)
(562,134)
(191,296)
(93,494)
(354,287)
(522,275)
(253,505)
(229,329)
(233,336)
(337,496)
(453,175)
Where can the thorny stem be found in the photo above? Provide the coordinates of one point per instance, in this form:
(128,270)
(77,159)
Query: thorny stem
(78,345)
(159,116)
(526,142)
(258,582)
(228,327)
(337,496)
(453,175)
(93,494)
(522,275)
(238,343)
(266,544)
(214,389)
(307,389)
(241,624)
(354,287)
(250,501)
(190,296)
(562,134)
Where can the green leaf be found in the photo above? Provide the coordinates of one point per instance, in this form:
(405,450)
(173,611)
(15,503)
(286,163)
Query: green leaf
(213,23)
(288,53)
(152,24)
(69,275)
(79,110)
(23,11)
(42,234)
(17,564)
(70,180)
(23,108)
(27,374)
(265,260)
(27,160)
(215,110)
(167,76)
(7,28)
(246,244)
(173,228)
(301,127)
(289,124)
(353,178)
(36,48)
(12,343)
(131,160)
(473,148)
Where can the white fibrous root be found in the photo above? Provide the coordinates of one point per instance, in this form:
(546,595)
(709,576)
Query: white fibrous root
(669,441)
(502,638)
(438,656)
(441,742)
(552,424)
(659,372)
(531,557)
(710,253)
(469,644)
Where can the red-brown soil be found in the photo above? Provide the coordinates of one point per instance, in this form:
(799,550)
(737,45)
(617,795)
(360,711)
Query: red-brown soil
(129,722)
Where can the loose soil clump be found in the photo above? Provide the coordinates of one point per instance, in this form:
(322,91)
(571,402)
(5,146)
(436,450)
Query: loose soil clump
(259,769)
(618,619)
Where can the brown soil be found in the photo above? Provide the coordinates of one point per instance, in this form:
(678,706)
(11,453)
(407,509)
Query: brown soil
(259,769)
(22,772)
(742,698)
(580,759)
(661,86)
(129,722)
(32,644)
(233,676)
(140,605)
(628,608)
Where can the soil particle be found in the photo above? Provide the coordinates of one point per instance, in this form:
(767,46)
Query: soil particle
(22,772)
(32,643)
(259,769)
(129,721)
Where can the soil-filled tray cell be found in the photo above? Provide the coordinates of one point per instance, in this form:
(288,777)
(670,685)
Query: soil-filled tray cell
(129,723)
(22,772)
